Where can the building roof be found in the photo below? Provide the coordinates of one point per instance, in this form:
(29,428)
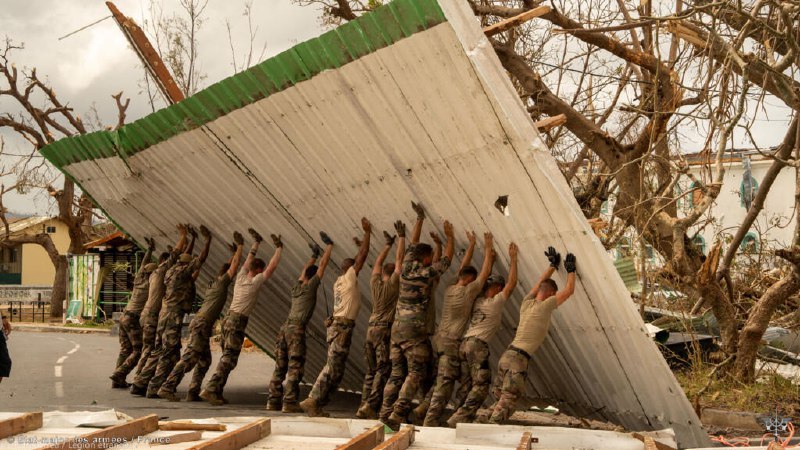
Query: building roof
(21,224)
(114,239)
(408,103)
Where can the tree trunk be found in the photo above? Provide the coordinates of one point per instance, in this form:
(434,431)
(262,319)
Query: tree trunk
(59,296)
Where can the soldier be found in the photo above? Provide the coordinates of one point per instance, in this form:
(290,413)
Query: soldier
(178,298)
(487,313)
(385,288)
(534,321)
(290,343)
(5,358)
(458,301)
(251,277)
(197,355)
(155,298)
(410,343)
(130,328)
(346,303)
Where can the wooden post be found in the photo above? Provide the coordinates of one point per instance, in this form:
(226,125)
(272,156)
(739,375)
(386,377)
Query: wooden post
(515,21)
(549,123)
(111,436)
(22,424)
(364,441)
(400,440)
(182,426)
(650,443)
(177,438)
(238,438)
(148,55)
(525,441)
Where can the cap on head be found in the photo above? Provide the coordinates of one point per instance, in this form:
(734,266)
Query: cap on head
(185,258)
(495,280)
(149,267)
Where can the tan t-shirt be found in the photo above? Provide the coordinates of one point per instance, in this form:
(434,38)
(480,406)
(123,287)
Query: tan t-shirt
(486,316)
(384,297)
(245,292)
(534,321)
(457,305)
(346,296)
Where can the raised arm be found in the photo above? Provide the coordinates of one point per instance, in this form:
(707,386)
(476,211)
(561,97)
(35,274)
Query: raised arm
(449,248)
(151,245)
(470,250)
(388,242)
(207,236)
(437,246)
(190,248)
(512,271)
(488,258)
(238,239)
(276,257)
(569,289)
(417,232)
(326,257)
(251,255)
(400,227)
(363,250)
(181,244)
(555,260)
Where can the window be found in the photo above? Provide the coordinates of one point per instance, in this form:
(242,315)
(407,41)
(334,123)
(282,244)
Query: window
(678,192)
(700,243)
(749,243)
(753,192)
(12,257)
(50,229)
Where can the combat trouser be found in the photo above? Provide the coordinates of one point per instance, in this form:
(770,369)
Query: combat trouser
(197,356)
(449,370)
(149,324)
(509,385)
(476,375)
(290,361)
(130,342)
(232,341)
(5,358)
(148,369)
(377,348)
(170,351)
(339,336)
(417,355)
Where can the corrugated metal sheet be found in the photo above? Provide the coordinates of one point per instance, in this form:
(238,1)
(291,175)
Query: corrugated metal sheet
(421,110)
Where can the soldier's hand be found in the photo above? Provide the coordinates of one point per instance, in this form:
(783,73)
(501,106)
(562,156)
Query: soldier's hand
(238,238)
(436,239)
(417,207)
(181,228)
(365,225)
(569,263)
(357,241)
(256,237)
(388,238)
(325,238)
(276,240)
(471,237)
(553,256)
(488,239)
(316,250)
(205,231)
(151,243)
(400,228)
(232,247)
(513,251)
(448,229)
(192,231)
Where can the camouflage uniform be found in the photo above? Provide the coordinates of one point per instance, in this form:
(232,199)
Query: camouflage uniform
(411,347)
(377,344)
(339,336)
(476,375)
(152,310)
(290,344)
(509,384)
(448,371)
(197,355)
(232,341)
(130,331)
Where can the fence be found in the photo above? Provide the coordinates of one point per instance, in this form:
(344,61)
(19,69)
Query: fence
(26,303)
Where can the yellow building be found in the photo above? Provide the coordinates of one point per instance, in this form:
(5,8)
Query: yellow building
(28,264)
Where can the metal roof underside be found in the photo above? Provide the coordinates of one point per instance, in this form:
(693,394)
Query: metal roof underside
(406,103)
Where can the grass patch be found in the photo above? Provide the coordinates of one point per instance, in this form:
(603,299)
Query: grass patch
(92,324)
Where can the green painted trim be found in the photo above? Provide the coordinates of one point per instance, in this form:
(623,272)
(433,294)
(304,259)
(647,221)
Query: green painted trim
(380,28)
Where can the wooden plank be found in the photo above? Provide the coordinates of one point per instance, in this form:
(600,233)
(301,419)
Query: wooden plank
(525,441)
(111,436)
(515,21)
(22,424)
(654,444)
(364,441)
(238,438)
(177,438)
(550,122)
(400,440)
(183,426)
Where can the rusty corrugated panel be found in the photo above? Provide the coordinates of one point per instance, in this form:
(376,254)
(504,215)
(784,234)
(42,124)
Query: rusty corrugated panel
(406,103)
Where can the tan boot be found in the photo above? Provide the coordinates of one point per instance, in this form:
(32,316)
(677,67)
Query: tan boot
(212,397)
(167,395)
(291,408)
(366,412)
(312,409)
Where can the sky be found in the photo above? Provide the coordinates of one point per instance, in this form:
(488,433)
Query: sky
(91,65)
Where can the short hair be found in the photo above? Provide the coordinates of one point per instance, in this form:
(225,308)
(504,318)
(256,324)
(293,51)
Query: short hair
(550,284)
(163,257)
(347,263)
(258,264)
(468,271)
(310,271)
(422,251)
(388,268)
(224,268)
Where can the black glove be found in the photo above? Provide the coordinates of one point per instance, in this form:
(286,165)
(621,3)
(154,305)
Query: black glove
(316,250)
(276,240)
(417,207)
(553,256)
(325,238)
(205,231)
(569,263)
(400,228)
(388,238)
(151,243)
(257,237)
(191,230)
(238,238)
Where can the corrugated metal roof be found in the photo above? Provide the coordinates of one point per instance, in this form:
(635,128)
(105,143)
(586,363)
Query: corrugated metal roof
(21,225)
(407,103)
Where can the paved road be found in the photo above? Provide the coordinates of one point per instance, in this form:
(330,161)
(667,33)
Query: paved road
(69,372)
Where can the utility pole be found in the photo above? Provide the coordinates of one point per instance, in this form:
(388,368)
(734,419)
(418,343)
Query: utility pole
(148,55)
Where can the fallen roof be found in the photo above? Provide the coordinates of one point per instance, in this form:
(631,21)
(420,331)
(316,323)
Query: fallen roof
(406,103)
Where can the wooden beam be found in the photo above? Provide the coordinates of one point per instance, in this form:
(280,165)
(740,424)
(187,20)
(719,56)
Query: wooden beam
(183,426)
(22,424)
(654,444)
(525,441)
(515,21)
(550,122)
(177,438)
(364,441)
(400,440)
(111,436)
(238,438)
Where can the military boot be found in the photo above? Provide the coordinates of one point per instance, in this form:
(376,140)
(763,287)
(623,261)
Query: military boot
(311,408)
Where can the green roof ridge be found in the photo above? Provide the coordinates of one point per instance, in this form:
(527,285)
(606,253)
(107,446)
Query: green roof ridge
(366,34)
